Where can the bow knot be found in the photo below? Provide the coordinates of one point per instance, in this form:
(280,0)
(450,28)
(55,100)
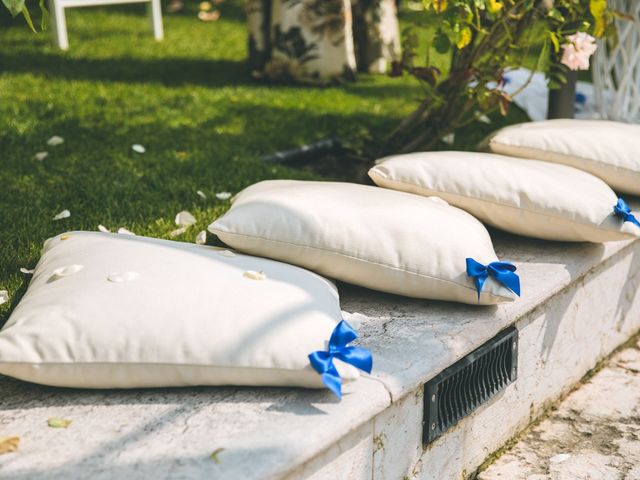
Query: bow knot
(622,210)
(503,272)
(322,360)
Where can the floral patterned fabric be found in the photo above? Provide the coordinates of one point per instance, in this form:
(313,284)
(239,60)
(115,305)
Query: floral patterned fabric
(321,41)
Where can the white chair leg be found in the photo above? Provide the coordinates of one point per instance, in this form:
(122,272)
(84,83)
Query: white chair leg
(154,10)
(58,25)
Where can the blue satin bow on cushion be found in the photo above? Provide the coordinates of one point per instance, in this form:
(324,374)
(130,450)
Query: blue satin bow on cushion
(623,211)
(322,360)
(503,272)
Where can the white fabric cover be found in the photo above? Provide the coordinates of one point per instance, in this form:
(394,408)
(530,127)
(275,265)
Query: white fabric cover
(609,150)
(190,317)
(376,238)
(527,197)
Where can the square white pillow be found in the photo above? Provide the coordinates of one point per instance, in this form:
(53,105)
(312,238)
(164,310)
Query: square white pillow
(527,197)
(368,236)
(608,150)
(118,311)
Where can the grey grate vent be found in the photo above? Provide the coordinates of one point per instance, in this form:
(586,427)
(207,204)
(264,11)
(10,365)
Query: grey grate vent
(470,382)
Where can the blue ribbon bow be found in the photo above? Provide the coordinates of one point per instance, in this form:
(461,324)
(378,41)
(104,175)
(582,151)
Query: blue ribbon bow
(623,211)
(322,360)
(503,272)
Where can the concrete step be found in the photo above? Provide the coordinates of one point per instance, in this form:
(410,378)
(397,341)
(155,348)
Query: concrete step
(593,434)
(579,302)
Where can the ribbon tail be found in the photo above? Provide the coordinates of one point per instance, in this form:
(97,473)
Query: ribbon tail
(478,272)
(333,382)
(359,357)
(479,280)
(509,280)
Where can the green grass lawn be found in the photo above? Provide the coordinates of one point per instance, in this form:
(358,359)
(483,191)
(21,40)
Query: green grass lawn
(189,100)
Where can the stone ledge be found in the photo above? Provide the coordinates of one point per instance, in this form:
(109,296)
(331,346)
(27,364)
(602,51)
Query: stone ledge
(414,340)
(278,433)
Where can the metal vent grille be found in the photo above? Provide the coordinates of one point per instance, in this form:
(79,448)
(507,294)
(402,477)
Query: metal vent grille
(470,382)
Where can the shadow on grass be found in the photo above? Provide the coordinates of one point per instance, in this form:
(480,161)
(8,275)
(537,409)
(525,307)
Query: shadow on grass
(167,71)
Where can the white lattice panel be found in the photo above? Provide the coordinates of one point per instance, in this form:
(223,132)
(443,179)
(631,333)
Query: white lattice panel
(616,67)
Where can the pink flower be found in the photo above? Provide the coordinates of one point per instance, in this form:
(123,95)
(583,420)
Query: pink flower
(576,53)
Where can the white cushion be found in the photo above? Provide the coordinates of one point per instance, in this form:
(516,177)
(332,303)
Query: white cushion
(144,312)
(608,150)
(376,238)
(527,197)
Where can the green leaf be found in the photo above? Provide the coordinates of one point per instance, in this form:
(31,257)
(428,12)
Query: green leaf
(55,422)
(215,453)
(44,20)
(554,40)
(27,17)
(555,14)
(14,6)
(598,9)
(463,38)
(441,43)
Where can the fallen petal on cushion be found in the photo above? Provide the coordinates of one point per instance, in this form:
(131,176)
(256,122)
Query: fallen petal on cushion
(119,277)
(253,275)
(68,270)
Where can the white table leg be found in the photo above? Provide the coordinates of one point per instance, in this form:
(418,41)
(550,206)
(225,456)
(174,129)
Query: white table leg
(155,15)
(58,25)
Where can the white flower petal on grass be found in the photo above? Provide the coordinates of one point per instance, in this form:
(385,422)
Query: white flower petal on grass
(4,296)
(223,195)
(124,231)
(227,253)
(177,232)
(55,141)
(138,148)
(103,229)
(62,214)
(185,219)
(68,270)
(201,238)
(449,138)
(120,277)
(27,271)
(201,194)
(40,156)
(484,119)
(253,275)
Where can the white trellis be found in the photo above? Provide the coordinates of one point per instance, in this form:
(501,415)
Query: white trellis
(616,67)
(59,22)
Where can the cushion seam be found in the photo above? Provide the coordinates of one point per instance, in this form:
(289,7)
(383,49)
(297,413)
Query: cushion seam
(344,254)
(542,214)
(205,365)
(592,160)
